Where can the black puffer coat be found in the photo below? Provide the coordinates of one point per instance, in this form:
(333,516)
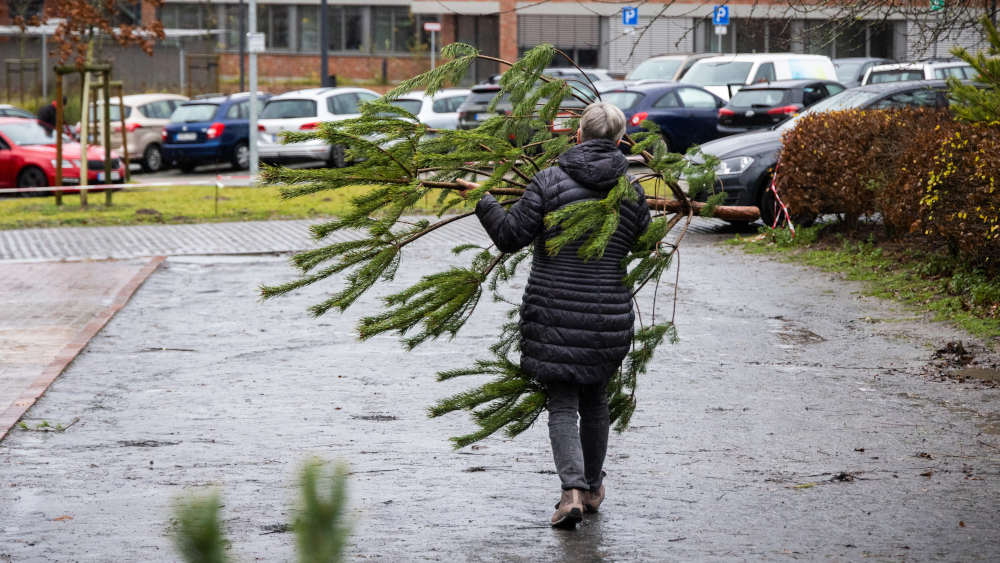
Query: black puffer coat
(576,316)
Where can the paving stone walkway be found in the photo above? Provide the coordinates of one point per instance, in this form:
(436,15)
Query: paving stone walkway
(48,312)
(251,237)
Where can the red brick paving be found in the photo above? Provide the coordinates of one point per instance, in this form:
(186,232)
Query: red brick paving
(49,311)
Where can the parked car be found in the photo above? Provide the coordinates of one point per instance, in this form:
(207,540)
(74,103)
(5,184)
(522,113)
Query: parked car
(304,110)
(922,70)
(851,70)
(439,111)
(28,157)
(760,106)
(210,130)
(475,109)
(724,75)
(659,68)
(686,114)
(7,110)
(748,159)
(145,117)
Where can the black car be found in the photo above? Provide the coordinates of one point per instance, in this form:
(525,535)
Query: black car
(475,109)
(748,159)
(761,106)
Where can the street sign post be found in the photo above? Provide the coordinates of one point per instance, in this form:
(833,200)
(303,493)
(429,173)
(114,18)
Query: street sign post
(433,27)
(630,15)
(720,15)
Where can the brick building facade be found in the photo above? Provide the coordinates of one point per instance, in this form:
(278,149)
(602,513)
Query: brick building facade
(371,41)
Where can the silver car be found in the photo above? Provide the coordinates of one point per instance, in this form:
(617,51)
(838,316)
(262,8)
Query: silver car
(304,110)
(439,111)
(145,117)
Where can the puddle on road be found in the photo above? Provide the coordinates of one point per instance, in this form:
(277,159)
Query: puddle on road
(792,335)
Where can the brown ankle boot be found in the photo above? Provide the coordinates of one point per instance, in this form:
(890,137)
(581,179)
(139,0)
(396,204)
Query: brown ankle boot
(592,499)
(569,511)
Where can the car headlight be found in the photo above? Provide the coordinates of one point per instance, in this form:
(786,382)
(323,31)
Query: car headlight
(733,166)
(66,164)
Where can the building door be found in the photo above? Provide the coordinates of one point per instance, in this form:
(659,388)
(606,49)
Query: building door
(483,33)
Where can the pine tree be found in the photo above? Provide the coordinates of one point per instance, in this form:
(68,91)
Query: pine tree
(973,103)
(404,163)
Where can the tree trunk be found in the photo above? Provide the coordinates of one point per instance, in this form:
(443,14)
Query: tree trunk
(725,212)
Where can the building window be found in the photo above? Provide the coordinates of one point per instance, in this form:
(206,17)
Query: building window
(392,29)
(187,15)
(273,20)
(308,28)
(382,29)
(763,36)
(231,23)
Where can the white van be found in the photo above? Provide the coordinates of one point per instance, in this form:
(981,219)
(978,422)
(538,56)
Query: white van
(725,74)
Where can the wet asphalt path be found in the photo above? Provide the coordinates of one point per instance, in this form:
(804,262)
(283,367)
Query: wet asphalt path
(784,379)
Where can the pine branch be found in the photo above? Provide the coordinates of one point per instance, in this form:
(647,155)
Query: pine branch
(402,163)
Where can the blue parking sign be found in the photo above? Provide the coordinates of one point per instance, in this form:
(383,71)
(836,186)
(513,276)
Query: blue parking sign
(630,15)
(720,15)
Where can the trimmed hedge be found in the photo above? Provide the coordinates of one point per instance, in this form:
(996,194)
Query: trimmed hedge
(921,170)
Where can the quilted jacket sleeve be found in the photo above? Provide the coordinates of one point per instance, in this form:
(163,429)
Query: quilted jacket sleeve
(513,229)
(643,219)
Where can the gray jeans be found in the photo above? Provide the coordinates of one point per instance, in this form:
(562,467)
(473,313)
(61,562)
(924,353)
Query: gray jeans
(578,453)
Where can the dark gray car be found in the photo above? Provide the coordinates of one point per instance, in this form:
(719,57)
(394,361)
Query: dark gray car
(748,160)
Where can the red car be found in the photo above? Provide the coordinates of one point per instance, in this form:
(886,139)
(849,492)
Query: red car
(28,157)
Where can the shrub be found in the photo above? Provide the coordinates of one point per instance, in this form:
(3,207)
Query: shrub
(961,199)
(850,161)
(920,169)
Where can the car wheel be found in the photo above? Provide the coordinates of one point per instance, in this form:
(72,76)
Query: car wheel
(152,159)
(337,158)
(241,156)
(31,177)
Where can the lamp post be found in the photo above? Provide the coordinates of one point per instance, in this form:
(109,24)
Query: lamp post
(324,64)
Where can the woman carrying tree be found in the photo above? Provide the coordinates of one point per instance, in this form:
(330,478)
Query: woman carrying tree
(576,318)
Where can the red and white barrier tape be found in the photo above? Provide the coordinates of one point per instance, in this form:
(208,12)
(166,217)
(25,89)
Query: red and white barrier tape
(74,188)
(784,209)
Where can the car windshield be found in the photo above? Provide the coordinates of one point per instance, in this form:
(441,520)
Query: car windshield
(288,109)
(193,112)
(29,133)
(899,75)
(847,72)
(655,69)
(412,106)
(705,73)
(758,98)
(622,100)
(114,109)
(848,99)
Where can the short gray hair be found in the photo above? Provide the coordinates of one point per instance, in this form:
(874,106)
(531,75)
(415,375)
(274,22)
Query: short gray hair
(602,120)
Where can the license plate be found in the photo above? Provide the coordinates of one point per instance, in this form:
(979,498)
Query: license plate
(484,116)
(186,136)
(115,176)
(561,124)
